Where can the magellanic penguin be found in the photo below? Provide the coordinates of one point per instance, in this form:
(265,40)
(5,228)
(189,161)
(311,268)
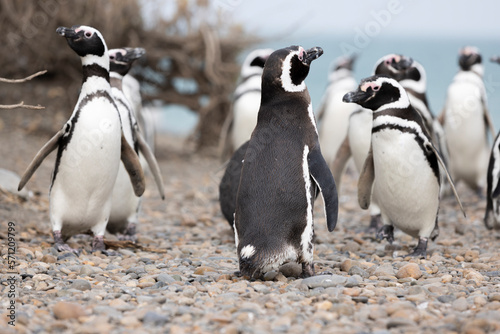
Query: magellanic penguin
(90,146)
(333,114)
(228,187)
(402,166)
(492,214)
(282,169)
(246,102)
(466,121)
(125,205)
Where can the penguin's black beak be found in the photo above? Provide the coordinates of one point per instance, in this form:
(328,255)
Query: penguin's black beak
(133,54)
(495,59)
(358,96)
(312,54)
(404,63)
(67,32)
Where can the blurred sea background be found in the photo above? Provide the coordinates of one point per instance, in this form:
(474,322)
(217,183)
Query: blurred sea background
(430,32)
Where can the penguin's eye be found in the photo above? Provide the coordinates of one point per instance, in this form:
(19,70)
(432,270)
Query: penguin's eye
(375,88)
(111,57)
(88,34)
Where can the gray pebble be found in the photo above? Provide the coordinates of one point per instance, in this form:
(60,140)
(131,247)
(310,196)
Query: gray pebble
(324,281)
(80,284)
(355,270)
(165,278)
(155,319)
(446,298)
(86,270)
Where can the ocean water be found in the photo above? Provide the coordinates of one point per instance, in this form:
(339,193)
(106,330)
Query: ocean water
(439,56)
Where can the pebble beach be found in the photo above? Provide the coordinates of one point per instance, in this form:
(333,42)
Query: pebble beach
(180,277)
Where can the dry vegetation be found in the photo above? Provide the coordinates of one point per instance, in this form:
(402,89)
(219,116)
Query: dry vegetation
(194,46)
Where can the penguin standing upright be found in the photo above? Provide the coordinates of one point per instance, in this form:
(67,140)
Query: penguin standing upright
(125,205)
(282,168)
(90,146)
(492,213)
(333,114)
(246,100)
(466,121)
(402,166)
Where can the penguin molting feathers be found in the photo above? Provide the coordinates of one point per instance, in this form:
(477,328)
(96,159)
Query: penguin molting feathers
(282,169)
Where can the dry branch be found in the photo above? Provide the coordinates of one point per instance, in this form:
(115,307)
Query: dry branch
(21,105)
(24,79)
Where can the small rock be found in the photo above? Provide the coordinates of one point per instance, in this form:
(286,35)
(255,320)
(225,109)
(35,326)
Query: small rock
(270,275)
(360,299)
(80,284)
(471,255)
(291,269)
(351,247)
(494,297)
(165,278)
(446,278)
(154,319)
(64,310)
(384,270)
(203,269)
(324,281)
(471,274)
(446,298)
(409,270)
(86,270)
(400,322)
(460,304)
(48,258)
(355,270)
(346,265)
(324,305)
(353,292)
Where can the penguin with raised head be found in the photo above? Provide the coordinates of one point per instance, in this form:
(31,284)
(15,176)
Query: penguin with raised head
(402,166)
(282,169)
(125,205)
(246,101)
(466,121)
(90,146)
(333,114)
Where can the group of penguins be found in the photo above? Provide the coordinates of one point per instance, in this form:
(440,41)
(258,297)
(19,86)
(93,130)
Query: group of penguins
(102,150)
(278,169)
(400,149)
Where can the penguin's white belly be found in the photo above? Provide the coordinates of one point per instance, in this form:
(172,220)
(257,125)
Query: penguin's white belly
(80,195)
(405,186)
(335,124)
(246,109)
(466,134)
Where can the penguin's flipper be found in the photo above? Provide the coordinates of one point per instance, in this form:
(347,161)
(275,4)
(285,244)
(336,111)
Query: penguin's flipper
(433,149)
(322,176)
(365,182)
(133,167)
(153,164)
(50,146)
(341,158)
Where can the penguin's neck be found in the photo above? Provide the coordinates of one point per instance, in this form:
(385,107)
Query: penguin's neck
(116,80)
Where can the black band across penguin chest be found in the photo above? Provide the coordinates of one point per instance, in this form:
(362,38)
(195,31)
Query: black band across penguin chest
(410,122)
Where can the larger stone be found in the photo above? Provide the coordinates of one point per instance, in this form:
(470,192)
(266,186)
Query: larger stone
(65,310)
(324,281)
(409,270)
(80,284)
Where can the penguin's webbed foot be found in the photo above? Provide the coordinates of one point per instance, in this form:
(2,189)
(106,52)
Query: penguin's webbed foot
(98,245)
(130,233)
(386,232)
(307,270)
(61,246)
(421,249)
